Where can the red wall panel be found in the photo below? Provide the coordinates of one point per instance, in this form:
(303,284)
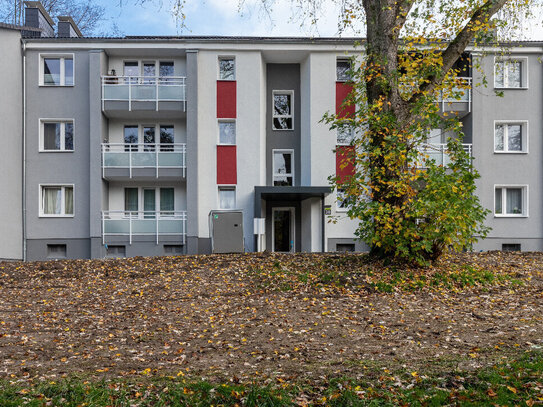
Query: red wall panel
(226,99)
(344,162)
(227,172)
(342,91)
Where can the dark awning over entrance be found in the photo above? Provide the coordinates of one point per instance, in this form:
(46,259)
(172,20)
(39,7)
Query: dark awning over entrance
(287,194)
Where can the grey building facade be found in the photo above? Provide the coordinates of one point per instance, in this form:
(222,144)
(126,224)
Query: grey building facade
(127,146)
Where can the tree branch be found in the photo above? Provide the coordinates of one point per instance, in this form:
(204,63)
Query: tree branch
(458,45)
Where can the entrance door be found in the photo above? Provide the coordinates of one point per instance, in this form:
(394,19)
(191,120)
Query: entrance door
(283,230)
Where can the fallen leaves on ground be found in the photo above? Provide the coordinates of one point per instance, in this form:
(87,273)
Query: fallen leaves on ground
(263,315)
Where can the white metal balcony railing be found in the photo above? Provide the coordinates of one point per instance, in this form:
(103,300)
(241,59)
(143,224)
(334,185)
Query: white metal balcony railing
(144,155)
(144,223)
(143,89)
(459,94)
(438,153)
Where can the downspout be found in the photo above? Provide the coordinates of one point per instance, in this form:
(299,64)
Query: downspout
(24,151)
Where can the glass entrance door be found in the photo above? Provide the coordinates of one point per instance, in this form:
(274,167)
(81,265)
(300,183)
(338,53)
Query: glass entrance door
(283,230)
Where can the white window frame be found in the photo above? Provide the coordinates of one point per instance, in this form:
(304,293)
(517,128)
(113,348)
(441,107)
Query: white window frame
(62,200)
(62,149)
(141,136)
(227,188)
(343,59)
(224,57)
(293,167)
(353,135)
(523,72)
(525,200)
(524,132)
(219,132)
(141,199)
(292,104)
(338,208)
(62,57)
(141,62)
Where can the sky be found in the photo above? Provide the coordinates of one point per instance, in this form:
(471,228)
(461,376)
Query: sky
(223,17)
(217,17)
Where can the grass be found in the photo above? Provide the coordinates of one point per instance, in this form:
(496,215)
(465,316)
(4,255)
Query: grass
(515,381)
(356,272)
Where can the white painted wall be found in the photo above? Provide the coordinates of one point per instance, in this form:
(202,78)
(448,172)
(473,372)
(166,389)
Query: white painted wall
(249,135)
(319,88)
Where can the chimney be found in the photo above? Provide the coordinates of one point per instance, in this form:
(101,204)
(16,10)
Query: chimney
(37,17)
(67,28)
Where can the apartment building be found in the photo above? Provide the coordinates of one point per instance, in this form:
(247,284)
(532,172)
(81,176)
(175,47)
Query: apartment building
(147,146)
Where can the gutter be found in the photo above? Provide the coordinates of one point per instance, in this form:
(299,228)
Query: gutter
(24,151)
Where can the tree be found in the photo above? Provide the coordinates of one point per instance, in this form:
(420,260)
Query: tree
(409,206)
(86,14)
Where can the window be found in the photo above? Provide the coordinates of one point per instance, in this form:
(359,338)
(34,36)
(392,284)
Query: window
(167,138)
(57,200)
(130,138)
(343,200)
(510,73)
(166,69)
(344,247)
(56,251)
(57,135)
(227,198)
(173,249)
(146,138)
(345,136)
(283,174)
(511,247)
(113,252)
(57,70)
(152,200)
(227,132)
(343,70)
(511,200)
(132,71)
(510,137)
(227,69)
(282,110)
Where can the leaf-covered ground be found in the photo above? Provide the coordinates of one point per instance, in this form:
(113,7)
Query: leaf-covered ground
(265,317)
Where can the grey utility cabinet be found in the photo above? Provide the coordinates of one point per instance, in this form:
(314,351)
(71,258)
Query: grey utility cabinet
(226,231)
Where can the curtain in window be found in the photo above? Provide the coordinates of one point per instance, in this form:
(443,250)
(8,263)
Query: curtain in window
(167,203)
(514,200)
(51,201)
(227,132)
(51,136)
(131,199)
(149,202)
(498,201)
(69,201)
(227,198)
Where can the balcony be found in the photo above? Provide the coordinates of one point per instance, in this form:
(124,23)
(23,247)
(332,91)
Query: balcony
(122,95)
(157,226)
(124,161)
(459,101)
(438,153)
